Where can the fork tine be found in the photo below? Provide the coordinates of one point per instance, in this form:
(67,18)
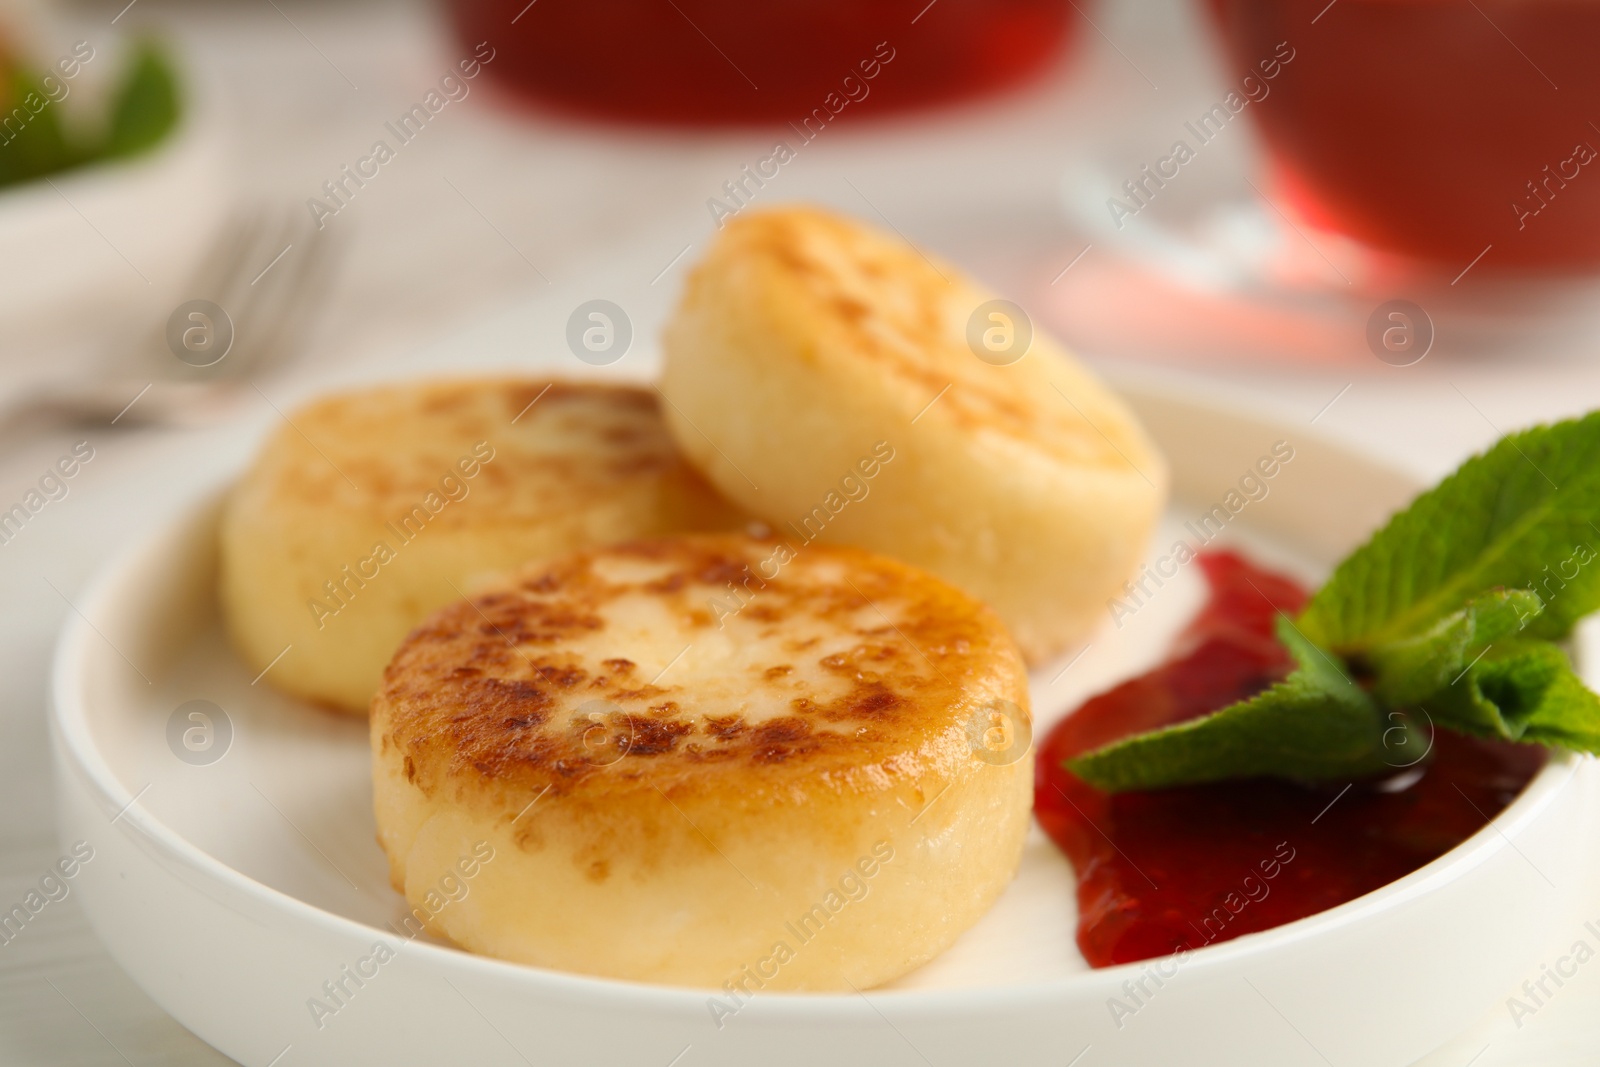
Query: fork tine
(220,261)
(261,303)
(303,296)
(246,288)
(231,283)
(149,355)
(280,305)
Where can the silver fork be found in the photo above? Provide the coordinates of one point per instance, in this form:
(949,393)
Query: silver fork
(268,275)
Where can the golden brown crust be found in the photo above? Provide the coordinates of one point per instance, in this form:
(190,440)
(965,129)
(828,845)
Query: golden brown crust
(633,668)
(583,443)
(368,509)
(884,305)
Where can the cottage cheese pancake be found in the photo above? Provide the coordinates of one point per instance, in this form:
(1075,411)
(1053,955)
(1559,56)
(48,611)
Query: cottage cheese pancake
(716,761)
(803,340)
(367,510)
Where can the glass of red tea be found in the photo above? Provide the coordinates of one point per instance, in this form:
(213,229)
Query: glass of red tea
(1443,130)
(726,62)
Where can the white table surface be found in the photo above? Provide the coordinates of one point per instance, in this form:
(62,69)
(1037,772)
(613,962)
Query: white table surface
(488,210)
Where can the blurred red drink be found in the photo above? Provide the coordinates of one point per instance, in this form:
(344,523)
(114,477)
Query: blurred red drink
(1435,128)
(712,62)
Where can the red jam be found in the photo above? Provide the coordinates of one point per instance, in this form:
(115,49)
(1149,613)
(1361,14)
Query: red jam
(1171,870)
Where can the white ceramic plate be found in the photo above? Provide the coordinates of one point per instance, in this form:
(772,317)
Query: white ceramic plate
(111,242)
(232,891)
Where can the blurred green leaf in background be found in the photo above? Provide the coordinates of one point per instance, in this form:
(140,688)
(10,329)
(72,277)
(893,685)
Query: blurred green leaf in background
(36,140)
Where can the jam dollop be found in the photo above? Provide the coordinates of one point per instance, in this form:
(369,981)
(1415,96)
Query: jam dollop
(1172,870)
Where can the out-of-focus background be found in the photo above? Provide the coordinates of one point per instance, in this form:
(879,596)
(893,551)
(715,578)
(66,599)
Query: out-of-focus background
(1371,217)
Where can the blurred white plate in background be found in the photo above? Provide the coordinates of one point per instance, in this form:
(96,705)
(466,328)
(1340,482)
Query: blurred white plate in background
(89,256)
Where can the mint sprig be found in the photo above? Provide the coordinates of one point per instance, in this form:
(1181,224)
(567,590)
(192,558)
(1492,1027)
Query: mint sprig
(146,104)
(1413,669)
(1449,611)
(1520,516)
(1524,691)
(1335,727)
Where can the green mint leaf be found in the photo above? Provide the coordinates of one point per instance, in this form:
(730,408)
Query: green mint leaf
(36,142)
(1519,516)
(1447,611)
(1521,691)
(32,142)
(1412,669)
(1316,724)
(146,106)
